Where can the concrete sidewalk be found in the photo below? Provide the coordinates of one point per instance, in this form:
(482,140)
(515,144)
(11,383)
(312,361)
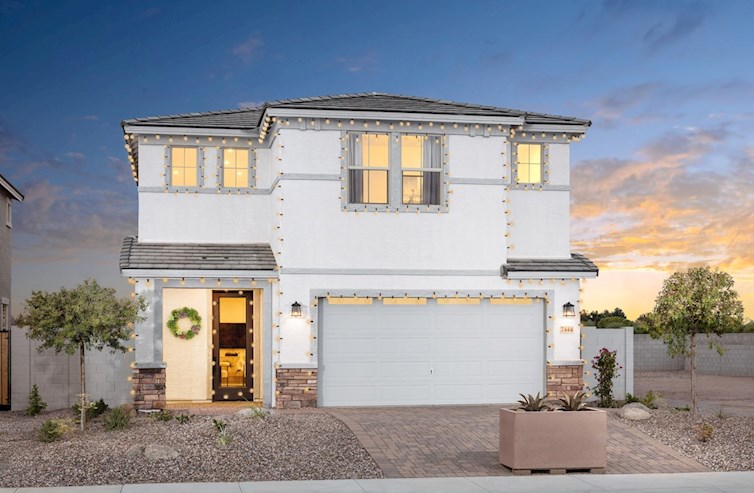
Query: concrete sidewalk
(713,482)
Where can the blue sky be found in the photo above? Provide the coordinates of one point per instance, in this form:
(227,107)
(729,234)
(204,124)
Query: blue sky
(663,180)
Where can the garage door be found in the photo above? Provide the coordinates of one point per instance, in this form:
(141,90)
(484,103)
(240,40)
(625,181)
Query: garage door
(385,354)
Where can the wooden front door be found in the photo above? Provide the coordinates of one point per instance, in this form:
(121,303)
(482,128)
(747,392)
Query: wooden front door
(232,345)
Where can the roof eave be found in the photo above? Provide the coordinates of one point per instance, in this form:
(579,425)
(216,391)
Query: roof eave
(13,191)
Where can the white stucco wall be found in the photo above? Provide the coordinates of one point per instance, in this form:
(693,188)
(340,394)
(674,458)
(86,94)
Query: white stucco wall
(540,224)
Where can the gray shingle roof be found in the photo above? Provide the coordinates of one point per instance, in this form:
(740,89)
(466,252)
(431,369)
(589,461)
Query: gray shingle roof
(577,263)
(249,119)
(188,256)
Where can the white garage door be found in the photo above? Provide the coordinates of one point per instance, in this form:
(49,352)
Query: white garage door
(380,354)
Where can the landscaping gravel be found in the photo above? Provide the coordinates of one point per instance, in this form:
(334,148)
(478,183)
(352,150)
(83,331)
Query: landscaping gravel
(730,448)
(281,446)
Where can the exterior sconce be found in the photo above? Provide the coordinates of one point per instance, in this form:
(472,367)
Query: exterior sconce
(296,309)
(569,310)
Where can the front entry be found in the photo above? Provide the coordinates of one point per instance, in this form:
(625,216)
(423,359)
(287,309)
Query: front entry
(232,346)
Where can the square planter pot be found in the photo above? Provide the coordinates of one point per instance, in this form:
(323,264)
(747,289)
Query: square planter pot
(553,439)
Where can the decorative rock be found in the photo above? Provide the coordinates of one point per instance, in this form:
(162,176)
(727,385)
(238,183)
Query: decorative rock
(135,451)
(635,414)
(637,405)
(160,452)
(250,411)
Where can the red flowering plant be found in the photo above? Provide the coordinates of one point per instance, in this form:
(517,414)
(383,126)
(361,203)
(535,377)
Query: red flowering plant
(606,369)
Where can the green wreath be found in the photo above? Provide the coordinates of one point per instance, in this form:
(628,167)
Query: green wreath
(181,313)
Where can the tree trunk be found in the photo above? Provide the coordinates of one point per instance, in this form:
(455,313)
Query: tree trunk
(82,402)
(692,355)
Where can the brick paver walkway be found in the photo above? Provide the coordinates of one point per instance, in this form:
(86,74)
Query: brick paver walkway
(433,441)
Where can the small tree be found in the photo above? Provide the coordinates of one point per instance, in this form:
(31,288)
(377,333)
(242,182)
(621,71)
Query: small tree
(86,317)
(606,368)
(698,301)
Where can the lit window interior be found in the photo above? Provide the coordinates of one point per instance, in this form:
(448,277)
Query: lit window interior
(232,342)
(529,163)
(236,168)
(183,165)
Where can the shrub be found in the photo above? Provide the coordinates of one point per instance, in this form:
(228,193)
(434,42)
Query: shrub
(162,415)
(93,409)
(704,432)
(532,403)
(52,429)
(614,323)
(224,438)
(258,413)
(220,425)
(606,367)
(573,402)
(36,404)
(118,418)
(183,418)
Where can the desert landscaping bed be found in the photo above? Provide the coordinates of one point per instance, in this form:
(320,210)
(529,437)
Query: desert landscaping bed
(281,446)
(729,448)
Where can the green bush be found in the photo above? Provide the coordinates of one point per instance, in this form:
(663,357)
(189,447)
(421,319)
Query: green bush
(36,404)
(93,409)
(162,415)
(648,400)
(183,418)
(606,369)
(118,418)
(52,429)
(614,323)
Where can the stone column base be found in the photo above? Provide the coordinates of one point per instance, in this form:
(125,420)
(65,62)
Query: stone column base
(564,379)
(149,388)
(296,388)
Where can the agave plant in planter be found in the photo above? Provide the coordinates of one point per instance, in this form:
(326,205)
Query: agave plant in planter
(574,436)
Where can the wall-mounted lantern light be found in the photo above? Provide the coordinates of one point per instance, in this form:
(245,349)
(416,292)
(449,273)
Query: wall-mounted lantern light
(296,309)
(569,310)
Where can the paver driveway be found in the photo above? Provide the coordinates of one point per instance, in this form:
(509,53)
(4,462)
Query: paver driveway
(436,441)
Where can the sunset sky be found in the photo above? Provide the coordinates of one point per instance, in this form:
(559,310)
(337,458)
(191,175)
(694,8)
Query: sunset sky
(664,179)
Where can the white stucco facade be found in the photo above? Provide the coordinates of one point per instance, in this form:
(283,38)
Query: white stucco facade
(322,248)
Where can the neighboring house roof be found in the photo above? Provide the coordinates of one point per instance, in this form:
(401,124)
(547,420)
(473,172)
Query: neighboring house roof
(250,118)
(13,191)
(190,256)
(577,263)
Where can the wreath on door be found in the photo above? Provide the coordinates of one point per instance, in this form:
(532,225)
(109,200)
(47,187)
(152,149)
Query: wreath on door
(179,314)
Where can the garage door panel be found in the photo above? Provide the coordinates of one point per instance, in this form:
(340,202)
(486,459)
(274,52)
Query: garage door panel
(430,354)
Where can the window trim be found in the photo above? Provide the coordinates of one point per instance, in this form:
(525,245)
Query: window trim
(251,167)
(5,321)
(169,168)
(545,166)
(9,212)
(395,176)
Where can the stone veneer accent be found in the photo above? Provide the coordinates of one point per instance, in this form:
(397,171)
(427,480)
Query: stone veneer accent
(564,378)
(296,388)
(149,388)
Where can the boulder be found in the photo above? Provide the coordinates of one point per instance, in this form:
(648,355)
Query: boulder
(135,451)
(635,414)
(637,405)
(160,452)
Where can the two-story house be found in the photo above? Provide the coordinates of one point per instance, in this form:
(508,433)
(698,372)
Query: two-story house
(8,193)
(354,250)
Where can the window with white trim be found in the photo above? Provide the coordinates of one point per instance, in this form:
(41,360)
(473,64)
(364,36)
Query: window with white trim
(4,315)
(8,212)
(396,171)
(236,167)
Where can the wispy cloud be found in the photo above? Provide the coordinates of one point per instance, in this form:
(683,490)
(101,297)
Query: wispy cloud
(92,118)
(679,26)
(250,49)
(667,207)
(365,62)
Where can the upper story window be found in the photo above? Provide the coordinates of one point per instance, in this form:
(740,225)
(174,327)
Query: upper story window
(4,315)
(395,171)
(529,163)
(421,168)
(236,168)
(184,167)
(8,212)
(368,168)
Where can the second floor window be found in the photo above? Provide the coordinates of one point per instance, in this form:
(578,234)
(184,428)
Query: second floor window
(235,163)
(8,212)
(395,170)
(183,167)
(368,168)
(529,163)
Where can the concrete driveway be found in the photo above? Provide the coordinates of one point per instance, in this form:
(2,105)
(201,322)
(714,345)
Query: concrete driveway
(732,395)
(434,441)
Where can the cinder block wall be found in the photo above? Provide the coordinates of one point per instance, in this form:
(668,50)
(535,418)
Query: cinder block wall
(57,375)
(619,340)
(738,360)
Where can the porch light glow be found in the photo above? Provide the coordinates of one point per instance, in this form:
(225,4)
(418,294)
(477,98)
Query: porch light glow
(569,310)
(296,309)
